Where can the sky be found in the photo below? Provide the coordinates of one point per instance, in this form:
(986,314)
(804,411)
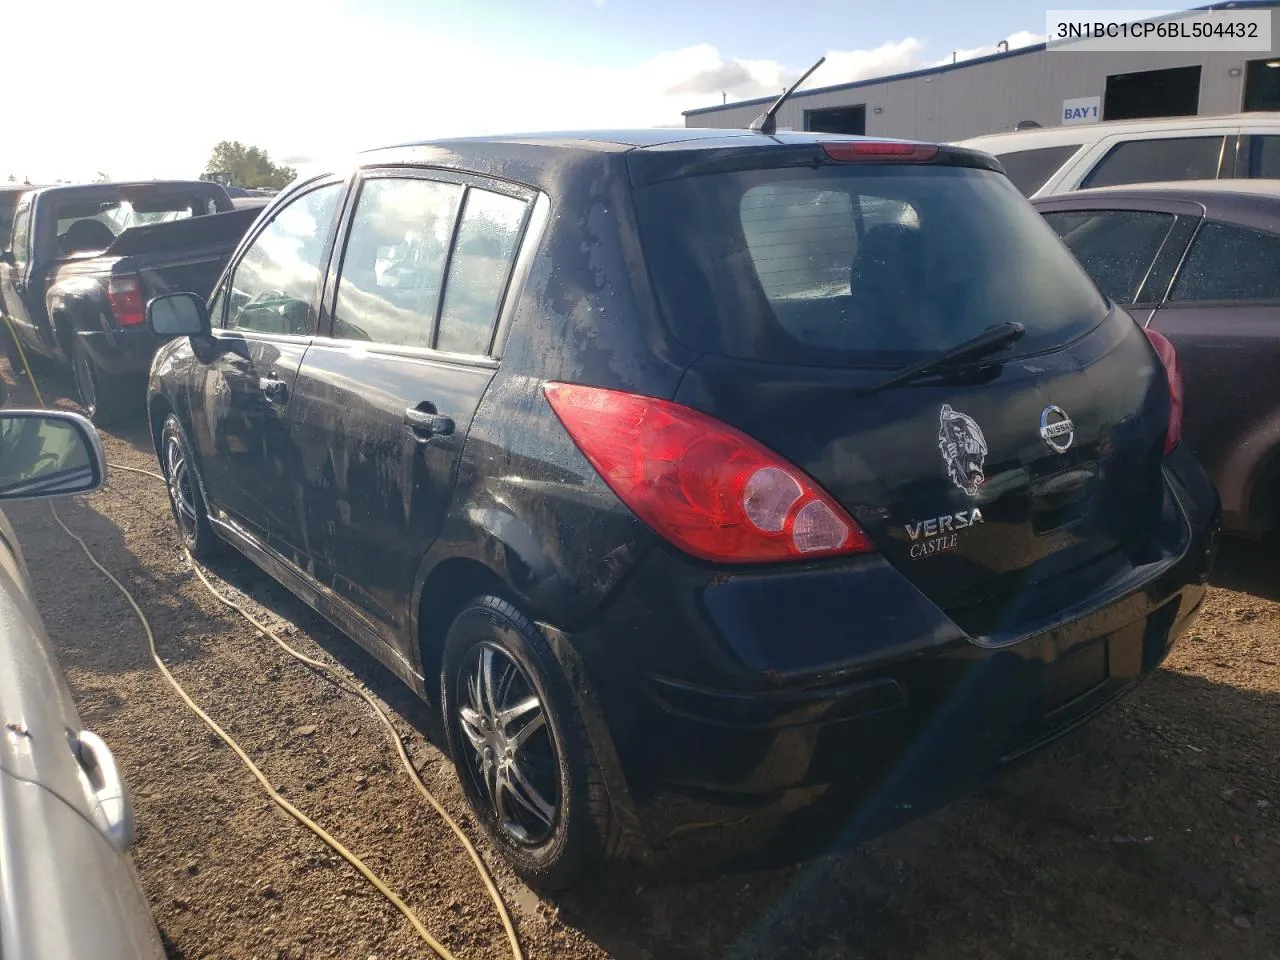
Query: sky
(144,88)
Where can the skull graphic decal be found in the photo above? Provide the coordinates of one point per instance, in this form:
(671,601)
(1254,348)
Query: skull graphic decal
(963,447)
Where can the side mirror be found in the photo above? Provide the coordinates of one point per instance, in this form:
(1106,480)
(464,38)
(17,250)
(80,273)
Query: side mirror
(6,256)
(178,315)
(45,453)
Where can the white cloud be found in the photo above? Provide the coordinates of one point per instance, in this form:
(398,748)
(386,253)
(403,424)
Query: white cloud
(333,81)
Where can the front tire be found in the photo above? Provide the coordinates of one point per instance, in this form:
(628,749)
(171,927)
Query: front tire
(186,497)
(520,748)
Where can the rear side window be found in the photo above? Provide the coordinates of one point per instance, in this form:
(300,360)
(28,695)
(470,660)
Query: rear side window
(483,254)
(1227,263)
(1031,169)
(1116,247)
(393,268)
(856,266)
(1148,161)
(1264,157)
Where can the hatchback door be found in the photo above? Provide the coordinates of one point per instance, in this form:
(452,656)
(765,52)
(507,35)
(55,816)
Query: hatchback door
(991,486)
(381,407)
(264,315)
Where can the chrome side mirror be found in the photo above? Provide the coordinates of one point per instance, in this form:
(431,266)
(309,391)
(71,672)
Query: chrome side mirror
(48,453)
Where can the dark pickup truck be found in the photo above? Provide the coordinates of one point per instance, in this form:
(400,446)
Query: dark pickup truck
(81,263)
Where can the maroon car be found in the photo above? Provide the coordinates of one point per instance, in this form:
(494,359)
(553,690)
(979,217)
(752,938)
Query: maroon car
(1199,261)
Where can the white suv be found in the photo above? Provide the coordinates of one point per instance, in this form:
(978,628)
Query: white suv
(1054,160)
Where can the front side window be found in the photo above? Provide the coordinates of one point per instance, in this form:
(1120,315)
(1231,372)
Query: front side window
(1031,169)
(488,236)
(276,283)
(1116,247)
(394,263)
(1227,263)
(1151,161)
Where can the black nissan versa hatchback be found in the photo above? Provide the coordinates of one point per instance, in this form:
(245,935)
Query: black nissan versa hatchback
(710,482)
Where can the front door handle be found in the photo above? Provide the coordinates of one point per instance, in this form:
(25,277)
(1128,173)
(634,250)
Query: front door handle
(426,423)
(112,809)
(276,391)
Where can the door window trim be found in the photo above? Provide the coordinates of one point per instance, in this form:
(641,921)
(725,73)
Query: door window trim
(217,324)
(516,276)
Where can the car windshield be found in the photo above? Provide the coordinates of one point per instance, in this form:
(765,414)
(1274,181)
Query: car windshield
(867,266)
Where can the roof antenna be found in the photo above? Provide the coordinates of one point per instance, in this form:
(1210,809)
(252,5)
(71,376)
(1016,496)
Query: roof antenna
(767,122)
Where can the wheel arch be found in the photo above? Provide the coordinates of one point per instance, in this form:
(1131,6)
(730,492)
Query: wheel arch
(445,589)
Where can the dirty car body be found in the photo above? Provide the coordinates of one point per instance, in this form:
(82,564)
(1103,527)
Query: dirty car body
(645,412)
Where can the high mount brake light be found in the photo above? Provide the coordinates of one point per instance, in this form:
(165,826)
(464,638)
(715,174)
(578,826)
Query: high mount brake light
(125,296)
(879,150)
(1169,357)
(707,488)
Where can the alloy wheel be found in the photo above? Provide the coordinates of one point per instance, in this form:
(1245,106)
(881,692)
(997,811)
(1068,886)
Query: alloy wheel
(181,483)
(516,763)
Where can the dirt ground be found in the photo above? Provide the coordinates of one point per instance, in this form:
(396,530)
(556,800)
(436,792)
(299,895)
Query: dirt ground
(1152,833)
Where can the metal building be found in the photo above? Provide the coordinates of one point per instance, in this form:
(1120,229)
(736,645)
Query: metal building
(1031,85)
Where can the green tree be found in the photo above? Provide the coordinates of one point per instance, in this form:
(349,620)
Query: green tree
(233,164)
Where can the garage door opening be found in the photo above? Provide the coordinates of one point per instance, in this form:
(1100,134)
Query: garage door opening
(837,120)
(1262,85)
(1153,93)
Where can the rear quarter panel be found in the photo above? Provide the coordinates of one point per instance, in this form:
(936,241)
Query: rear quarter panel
(1229,355)
(526,502)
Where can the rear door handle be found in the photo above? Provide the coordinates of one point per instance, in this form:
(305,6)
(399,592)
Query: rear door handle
(276,391)
(426,423)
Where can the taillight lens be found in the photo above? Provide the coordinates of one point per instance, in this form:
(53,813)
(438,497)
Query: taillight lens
(879,150)
(125,294)
(1169,357)
(704,486)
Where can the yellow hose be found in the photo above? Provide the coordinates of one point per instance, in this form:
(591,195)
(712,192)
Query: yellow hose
(485,875)
(226,738)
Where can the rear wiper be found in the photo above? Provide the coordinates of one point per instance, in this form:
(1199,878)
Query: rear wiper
(987,342)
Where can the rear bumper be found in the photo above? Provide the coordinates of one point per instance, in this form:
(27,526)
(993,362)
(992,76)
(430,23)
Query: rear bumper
(840,697)
(124,352)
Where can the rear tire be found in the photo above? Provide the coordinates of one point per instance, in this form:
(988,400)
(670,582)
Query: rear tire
(539,794)
(186,497)
(104,397)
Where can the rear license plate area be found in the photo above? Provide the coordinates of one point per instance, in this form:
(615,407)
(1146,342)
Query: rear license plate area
(1077,674)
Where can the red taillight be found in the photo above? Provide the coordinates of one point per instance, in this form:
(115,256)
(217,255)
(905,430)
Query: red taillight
(1169,357)
(125,294)
(707,488)
(879,150)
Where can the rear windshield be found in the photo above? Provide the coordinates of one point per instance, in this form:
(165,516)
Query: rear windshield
(867,266)
(120,213)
